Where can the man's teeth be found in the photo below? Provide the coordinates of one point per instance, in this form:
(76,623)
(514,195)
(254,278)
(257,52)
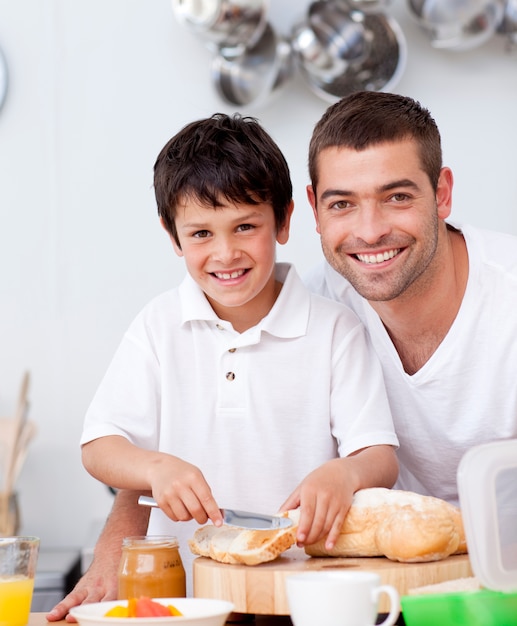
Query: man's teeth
(228,275)
(378,258)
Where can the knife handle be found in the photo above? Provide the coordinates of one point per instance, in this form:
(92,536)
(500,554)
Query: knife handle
(147,501)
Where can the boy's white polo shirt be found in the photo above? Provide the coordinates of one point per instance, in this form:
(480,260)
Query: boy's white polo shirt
(255,411)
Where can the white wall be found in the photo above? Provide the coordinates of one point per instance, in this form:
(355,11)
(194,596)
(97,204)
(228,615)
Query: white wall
(96,88)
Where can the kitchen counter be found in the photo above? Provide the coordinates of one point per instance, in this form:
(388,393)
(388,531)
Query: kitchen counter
(38,619)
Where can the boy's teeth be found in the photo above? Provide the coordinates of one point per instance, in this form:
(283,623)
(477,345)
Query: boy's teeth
(378,258)
(228,275)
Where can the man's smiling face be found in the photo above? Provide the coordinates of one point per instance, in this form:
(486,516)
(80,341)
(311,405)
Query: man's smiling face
(378,216)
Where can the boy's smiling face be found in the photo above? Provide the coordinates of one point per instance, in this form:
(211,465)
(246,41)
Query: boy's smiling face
(230,252)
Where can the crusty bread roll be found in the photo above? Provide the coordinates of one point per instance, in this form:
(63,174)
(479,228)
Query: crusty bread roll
(401,525)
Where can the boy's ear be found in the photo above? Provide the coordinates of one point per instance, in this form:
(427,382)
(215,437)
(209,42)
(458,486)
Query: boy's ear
(175,245)
(282,236)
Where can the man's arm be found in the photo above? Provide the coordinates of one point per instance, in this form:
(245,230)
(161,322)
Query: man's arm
(99,582)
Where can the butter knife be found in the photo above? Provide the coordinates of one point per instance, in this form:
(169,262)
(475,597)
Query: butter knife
(241,519)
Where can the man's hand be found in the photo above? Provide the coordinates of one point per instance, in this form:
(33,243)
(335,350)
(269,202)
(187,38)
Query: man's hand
(127,518)
(96,585)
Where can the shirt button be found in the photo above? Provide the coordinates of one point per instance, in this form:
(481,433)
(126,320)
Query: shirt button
(232,350)
(230,376)
(219,326)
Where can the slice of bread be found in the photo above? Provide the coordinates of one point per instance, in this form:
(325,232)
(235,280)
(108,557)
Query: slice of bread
(228,544)
(203,539)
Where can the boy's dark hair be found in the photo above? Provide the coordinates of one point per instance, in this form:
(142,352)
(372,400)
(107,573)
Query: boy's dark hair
(366,118)
(221,158)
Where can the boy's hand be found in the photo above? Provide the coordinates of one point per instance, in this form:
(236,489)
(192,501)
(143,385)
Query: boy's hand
(324,498)
(179,488)
(326,494)
(181,491)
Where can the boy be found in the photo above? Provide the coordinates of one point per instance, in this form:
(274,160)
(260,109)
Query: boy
(239,388)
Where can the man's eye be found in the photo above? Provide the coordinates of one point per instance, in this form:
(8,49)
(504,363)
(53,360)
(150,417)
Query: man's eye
(340,205)
(400,197)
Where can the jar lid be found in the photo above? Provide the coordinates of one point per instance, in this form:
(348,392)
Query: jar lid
(487,486)
(151,541)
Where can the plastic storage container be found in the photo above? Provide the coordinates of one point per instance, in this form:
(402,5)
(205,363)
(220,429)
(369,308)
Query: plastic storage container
(487,485)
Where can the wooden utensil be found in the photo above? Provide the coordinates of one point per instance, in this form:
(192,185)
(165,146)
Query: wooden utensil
(19,441)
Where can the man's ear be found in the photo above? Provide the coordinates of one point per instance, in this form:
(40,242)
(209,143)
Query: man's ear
(311,196)
(175,245)
(444,193)
(282,235)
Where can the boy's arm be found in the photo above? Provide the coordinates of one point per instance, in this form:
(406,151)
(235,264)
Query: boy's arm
(325,495)
(99,582)
(179,488)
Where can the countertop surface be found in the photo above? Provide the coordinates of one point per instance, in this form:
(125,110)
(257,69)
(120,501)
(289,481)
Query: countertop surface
(38,619)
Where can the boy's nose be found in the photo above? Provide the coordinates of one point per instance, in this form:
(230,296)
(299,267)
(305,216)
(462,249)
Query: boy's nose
(226,251)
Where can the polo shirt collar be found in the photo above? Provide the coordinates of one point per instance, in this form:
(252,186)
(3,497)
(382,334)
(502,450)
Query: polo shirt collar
(288,318)
(194,304)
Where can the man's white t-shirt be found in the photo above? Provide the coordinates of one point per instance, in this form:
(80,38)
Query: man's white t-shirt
(466,394)
(256,411)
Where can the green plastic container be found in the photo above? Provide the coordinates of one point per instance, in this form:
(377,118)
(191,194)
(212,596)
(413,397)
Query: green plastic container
(467,608)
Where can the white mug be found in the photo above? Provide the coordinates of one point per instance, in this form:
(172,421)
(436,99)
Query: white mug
(339,598)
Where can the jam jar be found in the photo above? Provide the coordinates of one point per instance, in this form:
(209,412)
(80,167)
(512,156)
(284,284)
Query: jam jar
(151,566)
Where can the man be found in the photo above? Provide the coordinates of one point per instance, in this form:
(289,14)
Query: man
(438,300)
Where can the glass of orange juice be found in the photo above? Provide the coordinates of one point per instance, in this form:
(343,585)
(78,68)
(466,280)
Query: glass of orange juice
(18,559)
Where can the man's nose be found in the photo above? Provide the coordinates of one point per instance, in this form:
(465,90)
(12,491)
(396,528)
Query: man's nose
(371,223)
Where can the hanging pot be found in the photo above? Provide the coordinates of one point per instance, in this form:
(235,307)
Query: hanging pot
(256,74)
(227,24)
(458,24)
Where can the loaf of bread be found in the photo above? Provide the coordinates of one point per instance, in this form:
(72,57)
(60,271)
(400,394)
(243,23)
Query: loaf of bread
(401,525)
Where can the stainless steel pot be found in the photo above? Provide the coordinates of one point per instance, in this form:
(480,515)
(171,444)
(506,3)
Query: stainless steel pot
(366,6)
(371,54)
(257,73)
(458,24)
(329,39)
(228,24)
(508,25)
(3,79)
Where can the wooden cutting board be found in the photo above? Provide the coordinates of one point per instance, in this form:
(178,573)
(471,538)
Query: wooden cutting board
(260,589)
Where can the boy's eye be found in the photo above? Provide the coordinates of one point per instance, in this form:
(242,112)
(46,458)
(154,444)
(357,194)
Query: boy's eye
(201,234)
(246,227)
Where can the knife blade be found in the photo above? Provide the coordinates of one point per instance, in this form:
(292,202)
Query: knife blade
(241,519)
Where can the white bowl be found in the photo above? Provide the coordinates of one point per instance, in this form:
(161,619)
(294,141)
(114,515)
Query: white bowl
(196,612)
